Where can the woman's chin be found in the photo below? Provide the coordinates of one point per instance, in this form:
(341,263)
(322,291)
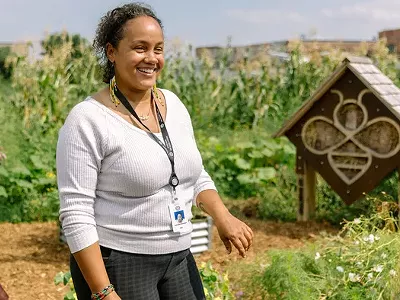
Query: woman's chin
(145,85)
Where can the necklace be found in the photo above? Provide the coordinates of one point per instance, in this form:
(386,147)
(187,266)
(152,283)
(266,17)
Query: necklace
(145,118)
(116,101)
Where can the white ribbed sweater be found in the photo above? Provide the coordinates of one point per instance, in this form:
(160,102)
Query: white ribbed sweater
(113,179)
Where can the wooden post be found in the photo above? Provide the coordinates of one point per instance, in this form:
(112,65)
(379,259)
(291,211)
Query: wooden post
(398,199)
(306,189)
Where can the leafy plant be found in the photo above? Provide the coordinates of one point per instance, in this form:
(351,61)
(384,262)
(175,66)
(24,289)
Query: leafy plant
(5,69)
(66,280)
(241,165)
(361,262)
(216,286)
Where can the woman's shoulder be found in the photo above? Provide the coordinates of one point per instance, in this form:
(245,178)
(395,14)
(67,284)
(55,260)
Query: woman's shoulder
(172,99)
(88,110)
(168,94)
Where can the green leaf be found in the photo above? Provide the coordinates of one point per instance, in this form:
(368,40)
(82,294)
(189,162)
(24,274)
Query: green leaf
(289,149)
(59,278)
(23,183)
(266,173)
(70,296)
(3,172)
(245,178)
(245,145)
(213,278)
(21,170)
(3,192)
(45,181)
(242,164)
(267,152)
(271,144)
(67,277)
(256,154)
(37,162)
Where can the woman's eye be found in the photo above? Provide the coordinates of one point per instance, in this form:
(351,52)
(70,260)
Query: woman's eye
(159,50)
(139,49)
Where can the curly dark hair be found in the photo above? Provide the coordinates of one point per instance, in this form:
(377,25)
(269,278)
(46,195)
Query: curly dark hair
(110,30)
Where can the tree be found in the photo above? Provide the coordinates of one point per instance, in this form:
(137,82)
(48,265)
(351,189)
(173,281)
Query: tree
(56,40)
(5,71)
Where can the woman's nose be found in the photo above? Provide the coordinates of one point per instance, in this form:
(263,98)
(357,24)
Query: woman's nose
(151,57)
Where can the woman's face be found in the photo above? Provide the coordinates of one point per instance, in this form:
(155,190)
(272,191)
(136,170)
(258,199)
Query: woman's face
(139,56)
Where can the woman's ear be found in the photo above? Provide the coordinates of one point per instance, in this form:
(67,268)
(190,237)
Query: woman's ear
(110,50)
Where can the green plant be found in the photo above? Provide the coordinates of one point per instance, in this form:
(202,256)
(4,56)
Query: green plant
(278,201)
(361,262)
(216,286)
(5,69)
(28,191)
(66,280)
(242,164)
(46,89)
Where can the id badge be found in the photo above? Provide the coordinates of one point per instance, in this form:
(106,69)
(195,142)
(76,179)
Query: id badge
(178,216)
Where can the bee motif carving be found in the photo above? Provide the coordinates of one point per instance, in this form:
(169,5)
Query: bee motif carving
(350,140)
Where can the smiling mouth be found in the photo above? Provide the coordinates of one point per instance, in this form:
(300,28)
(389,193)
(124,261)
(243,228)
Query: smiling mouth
(147,71)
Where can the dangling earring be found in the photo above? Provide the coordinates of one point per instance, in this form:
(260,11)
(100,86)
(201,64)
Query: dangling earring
(157,95)
(114,98)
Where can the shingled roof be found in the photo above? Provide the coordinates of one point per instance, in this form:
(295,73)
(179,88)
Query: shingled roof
(365,70)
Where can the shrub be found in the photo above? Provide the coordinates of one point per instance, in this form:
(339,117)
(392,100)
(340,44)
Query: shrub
(361,262)
(5,69)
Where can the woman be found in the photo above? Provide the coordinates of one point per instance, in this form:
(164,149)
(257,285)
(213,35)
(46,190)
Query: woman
(127,166)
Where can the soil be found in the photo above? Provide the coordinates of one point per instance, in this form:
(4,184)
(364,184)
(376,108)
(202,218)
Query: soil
(31,254)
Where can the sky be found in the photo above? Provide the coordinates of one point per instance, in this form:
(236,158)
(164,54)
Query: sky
(209,22)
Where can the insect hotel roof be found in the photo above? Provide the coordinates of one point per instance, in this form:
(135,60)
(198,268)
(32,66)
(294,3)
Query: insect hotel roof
(349,129)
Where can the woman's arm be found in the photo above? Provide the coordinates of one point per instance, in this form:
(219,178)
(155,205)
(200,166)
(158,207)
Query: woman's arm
(231,230)
(80,151)
(91,264)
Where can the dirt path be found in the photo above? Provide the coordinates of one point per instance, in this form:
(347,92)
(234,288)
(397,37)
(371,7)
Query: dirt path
(31,255)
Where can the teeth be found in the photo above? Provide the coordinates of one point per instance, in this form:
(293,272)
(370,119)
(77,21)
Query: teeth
(148,71)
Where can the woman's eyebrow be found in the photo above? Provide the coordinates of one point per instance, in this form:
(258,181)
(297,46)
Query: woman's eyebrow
(145,42)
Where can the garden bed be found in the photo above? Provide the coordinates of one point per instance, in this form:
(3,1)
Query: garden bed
(31,255)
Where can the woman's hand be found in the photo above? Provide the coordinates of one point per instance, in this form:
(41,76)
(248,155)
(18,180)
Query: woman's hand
(233,231)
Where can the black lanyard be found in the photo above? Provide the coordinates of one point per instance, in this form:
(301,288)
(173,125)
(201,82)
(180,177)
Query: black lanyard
(173,180)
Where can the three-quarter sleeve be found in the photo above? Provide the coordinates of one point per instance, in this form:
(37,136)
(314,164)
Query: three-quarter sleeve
(80,150)
(203,183)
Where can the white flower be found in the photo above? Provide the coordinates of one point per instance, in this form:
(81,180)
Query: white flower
(354,277)
(370,275)
(357,221)
(371,238)
(317,256)
(378,268)
(384,255)
(359,264)
(365,238)
(392,273)
(340,269)
(356,242)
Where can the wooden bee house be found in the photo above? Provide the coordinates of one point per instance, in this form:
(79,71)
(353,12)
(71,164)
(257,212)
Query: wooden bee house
(348,132)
